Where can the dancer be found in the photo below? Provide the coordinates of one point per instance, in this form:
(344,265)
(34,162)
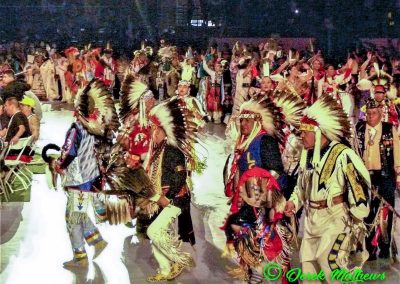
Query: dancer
(255,228)
(173,131)
(79,168)
(334,188)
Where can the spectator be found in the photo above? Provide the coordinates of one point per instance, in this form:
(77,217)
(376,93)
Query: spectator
(18,126)
(8,76)
(4,119)
(27,108)
(13,88)
(38,106)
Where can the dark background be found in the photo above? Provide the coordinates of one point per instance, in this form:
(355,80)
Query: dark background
(337,25)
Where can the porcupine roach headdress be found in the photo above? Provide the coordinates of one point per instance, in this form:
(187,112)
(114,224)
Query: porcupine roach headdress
(108,47)
(96,109)
(180,126)
(325,117)
(133,97)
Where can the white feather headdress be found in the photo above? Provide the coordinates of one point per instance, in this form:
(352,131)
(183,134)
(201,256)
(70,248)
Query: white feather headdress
(267,117)
(262,110)
(325,117)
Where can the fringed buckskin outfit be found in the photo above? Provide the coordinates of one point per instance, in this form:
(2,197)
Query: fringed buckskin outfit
(167,168)
(333,187)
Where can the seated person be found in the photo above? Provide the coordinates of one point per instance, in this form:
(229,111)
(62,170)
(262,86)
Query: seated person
(4,119)
(18,126)
(38,107)
(27,106)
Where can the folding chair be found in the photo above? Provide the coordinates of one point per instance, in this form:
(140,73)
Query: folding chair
(17,166)
(34,161)
(3,189)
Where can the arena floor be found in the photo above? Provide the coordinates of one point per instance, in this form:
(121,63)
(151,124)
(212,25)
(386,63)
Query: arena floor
(35,243)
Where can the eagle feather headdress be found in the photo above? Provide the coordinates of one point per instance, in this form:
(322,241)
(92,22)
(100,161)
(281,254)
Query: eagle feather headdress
(180,126)
(96,108)
(286,109)
(325,117)
(292,107)
(268,117)
(133,94)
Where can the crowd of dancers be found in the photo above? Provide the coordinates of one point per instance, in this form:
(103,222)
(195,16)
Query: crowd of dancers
(306,138)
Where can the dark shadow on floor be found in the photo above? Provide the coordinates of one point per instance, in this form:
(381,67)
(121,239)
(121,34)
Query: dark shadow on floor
(210,267)
(81,273)
(11,216)
(10,219)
